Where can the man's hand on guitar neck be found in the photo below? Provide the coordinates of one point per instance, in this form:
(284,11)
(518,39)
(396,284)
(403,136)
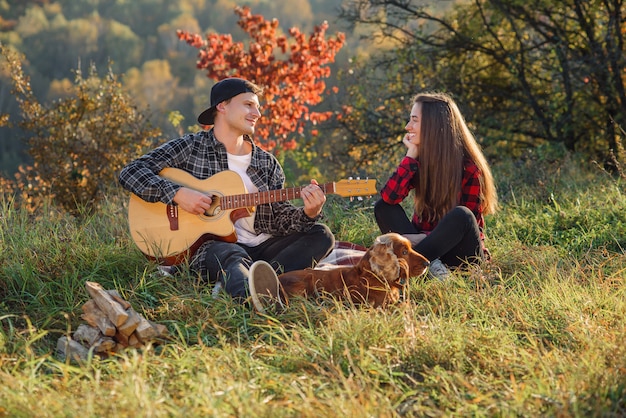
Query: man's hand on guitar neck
(314,199)
(193,201)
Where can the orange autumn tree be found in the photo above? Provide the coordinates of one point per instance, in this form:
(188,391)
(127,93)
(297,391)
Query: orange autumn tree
(290,69)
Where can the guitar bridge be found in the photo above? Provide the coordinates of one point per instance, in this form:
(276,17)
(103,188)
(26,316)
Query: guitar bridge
(172,216)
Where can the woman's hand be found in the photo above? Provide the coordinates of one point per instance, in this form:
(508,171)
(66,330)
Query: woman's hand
(411,142)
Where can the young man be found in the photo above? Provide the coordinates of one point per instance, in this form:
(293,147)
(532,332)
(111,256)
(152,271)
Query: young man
(286,236)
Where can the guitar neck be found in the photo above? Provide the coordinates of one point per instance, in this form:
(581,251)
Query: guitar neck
(247,200)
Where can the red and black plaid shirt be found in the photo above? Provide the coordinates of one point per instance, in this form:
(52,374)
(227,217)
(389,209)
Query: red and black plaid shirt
(401,182)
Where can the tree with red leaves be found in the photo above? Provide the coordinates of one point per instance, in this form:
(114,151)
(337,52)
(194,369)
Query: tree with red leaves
(291,85)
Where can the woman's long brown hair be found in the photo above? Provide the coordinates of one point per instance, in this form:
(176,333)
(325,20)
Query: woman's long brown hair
(445,141)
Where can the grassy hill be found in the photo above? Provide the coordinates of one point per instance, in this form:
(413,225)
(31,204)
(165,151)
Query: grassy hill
(539,331)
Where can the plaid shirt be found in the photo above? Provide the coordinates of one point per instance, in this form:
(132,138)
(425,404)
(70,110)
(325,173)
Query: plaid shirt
(202,155)
(401,182)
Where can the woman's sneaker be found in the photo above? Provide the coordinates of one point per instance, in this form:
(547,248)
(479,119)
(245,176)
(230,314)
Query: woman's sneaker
(438,270)
(264,286)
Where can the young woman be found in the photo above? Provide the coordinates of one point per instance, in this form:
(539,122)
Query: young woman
(452,187)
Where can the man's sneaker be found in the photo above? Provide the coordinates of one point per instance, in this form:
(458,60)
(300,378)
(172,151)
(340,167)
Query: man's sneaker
(264,286)
(438,270)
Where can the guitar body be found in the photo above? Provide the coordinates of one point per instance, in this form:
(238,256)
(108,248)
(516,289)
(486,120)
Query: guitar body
(168,234)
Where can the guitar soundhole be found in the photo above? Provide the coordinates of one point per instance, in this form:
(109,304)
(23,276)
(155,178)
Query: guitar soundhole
(216,208)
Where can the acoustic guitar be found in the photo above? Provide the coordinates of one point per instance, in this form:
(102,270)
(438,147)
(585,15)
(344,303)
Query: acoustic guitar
(168,235)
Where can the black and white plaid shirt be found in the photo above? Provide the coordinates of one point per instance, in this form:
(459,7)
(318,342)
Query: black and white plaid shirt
(201,155)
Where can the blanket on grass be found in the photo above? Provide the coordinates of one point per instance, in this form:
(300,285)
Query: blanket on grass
(344,254)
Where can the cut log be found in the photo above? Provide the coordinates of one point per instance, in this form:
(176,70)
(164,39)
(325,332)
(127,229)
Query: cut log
(145,331)
(161,329)
(134,341)
(87,335)
(68,348)
(104,345)
(121,339)
(131,324)
(96,318)
(118,298)
(113,310)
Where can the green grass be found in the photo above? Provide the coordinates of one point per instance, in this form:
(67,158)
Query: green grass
(540,331)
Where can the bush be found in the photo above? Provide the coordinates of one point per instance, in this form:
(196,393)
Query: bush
(78,143)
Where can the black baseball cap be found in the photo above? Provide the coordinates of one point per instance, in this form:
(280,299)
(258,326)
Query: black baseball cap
(224,90)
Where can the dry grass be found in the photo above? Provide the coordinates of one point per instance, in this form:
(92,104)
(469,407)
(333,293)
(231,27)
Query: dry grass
(538,332)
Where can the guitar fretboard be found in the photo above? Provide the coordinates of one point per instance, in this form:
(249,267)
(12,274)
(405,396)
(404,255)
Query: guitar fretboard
(253,199)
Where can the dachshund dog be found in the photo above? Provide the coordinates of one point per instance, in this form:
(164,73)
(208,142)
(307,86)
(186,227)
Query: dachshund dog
(376,279)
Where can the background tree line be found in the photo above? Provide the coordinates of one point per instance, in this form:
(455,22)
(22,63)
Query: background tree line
(526,73)
(139,41)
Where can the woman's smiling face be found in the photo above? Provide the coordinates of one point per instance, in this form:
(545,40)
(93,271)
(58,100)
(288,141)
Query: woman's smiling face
(413,127)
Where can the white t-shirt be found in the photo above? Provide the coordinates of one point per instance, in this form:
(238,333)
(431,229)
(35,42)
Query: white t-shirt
(244,227)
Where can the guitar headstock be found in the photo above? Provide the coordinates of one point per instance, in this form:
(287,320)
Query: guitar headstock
(355,187)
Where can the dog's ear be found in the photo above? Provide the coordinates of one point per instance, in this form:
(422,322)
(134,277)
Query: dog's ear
(402,249)
(403,268)
(383,261)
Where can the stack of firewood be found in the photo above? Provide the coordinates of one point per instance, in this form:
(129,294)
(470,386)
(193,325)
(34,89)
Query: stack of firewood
(112,325)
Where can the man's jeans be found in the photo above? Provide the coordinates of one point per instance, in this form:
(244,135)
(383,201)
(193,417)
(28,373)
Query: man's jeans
(229,263)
